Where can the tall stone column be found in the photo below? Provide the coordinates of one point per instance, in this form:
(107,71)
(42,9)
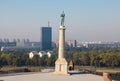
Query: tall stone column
(61,42)
(61,65)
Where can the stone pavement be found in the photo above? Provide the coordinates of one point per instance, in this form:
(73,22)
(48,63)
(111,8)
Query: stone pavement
(51,77)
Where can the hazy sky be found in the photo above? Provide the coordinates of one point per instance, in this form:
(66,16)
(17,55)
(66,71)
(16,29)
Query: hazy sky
(85,20)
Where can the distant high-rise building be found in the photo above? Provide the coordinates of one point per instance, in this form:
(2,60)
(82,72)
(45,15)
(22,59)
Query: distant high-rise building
(18,40)
(27,40)
(46,38)
(72,43)
(14,40)
(0,40)
(6,40)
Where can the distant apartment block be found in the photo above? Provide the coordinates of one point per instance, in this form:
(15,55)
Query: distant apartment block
(69,43)
(18,44)
(72,43)
(100,44)
(6,43)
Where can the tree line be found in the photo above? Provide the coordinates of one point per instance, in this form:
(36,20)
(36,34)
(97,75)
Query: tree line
(98,57)
(23,60)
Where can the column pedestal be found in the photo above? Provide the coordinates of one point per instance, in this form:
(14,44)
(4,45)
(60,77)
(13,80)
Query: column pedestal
(61,67)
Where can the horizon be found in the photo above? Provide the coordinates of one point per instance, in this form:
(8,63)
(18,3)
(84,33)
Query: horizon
(84,20)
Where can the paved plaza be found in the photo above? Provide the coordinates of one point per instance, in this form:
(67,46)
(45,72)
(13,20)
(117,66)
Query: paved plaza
(50,77)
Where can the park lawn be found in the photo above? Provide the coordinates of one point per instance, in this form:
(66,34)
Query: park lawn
(31,68)
(109,70)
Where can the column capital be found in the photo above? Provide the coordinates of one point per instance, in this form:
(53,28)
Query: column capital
(62,28)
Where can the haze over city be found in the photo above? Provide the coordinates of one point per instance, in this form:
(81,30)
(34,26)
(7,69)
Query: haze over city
(85,20)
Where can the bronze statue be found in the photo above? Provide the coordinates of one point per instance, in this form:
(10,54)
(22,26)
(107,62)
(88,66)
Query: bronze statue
(62,18)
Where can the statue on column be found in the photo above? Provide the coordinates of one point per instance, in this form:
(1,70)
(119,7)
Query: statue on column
(62,18)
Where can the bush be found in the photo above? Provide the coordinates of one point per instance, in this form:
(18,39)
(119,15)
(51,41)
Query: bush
(115,76)
(20,70)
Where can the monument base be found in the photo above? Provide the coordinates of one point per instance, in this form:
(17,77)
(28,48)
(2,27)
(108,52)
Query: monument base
(61,67)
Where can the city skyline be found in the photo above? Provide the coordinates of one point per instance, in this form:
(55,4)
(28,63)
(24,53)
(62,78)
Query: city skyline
(88,20)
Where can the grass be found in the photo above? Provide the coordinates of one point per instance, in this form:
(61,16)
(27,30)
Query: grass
(8,69)
(109,70)
(35,68)
(79,68)
(101,69)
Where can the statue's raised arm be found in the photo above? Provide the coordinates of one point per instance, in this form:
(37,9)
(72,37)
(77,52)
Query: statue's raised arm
(62,18)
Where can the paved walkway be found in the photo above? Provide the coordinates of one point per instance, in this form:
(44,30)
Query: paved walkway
(51,77)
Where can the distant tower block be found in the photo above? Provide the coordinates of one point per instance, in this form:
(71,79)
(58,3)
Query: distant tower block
(61,65)
(46,38)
